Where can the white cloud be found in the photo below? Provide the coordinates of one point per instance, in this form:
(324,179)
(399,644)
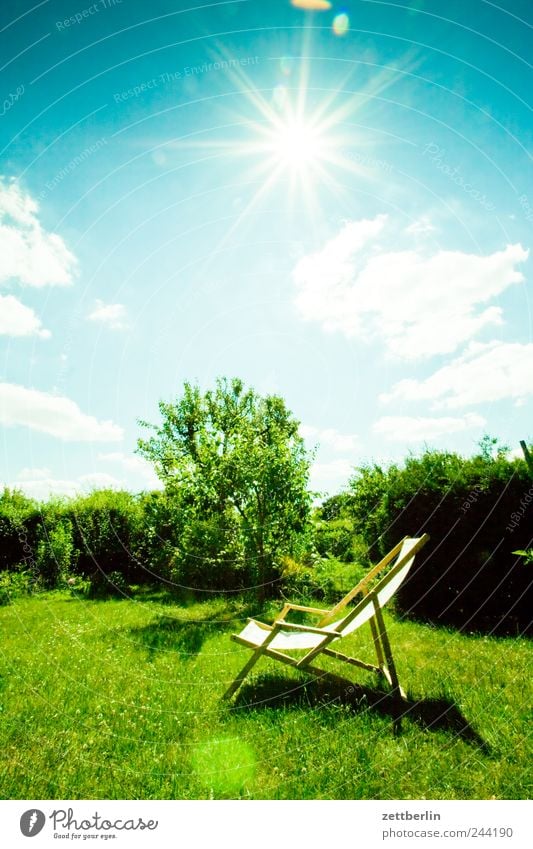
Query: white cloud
(40,483)
(515,454)
(42,488)
(28,253)
(421,305)
(53,414)
(43,485)
(483,374)
(137,466)
(324,279)
(331,477)
(19,320)
(421,227)
(29,474)
(420,428)
(330,437)
(112,316)
(99,480)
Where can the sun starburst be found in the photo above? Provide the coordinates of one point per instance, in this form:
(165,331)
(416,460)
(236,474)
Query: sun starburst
(300,140)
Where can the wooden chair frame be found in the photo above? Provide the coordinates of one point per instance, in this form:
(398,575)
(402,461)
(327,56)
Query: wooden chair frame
(385,667)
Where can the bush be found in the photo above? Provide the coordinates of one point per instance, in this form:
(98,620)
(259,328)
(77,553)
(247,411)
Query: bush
(211,556)
(298,581)
(336,507)
(338,539)
(328,580)
(112,585)
(467,576)
(18,521)
(107,528)
(14,585)
(163,521)
(100,532)
(202,553)
(55,557)
(77,586)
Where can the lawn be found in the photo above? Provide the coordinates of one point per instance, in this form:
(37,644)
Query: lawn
(120,699)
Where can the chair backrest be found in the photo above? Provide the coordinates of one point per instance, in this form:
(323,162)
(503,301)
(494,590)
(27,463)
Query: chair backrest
(362,587)
(384,589)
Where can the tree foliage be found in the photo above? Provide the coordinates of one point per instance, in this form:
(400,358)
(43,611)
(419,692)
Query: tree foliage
(234,461)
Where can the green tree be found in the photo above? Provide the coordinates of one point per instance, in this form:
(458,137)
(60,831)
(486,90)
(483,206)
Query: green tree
(231,455)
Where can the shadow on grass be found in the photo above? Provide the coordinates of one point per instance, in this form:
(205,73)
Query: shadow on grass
(169,634)
(274,691)
(184,636)
(164,596)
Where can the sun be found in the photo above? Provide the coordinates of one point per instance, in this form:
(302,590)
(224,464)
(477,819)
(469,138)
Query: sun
(294,141)
(297,145)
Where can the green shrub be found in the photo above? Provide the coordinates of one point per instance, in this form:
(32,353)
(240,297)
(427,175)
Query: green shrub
(18,521)
(467,576)
(101,585)
(527,555)
(211,556)
(298,581)
(55,558)
(328,580)
(338,538)
(102,531)
(14,585)
(107,526)
(337,578)
(163,521)
(335,538)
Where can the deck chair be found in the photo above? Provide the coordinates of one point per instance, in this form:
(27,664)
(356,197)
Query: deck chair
(277,640)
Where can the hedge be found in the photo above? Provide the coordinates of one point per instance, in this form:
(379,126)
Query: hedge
(478,512)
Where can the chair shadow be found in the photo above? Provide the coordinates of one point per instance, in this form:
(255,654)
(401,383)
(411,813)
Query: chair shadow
(433,714)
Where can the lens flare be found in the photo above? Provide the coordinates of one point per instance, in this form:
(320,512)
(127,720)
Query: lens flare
(280,97)
(225,765)
(312,5)
(341,24)
(286,64)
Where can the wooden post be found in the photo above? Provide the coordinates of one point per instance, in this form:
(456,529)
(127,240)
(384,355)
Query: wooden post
(527,456)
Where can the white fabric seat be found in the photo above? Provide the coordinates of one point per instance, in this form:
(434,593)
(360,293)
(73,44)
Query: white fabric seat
(253,633)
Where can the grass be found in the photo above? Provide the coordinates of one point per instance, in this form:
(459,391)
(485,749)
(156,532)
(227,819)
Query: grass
(120,699)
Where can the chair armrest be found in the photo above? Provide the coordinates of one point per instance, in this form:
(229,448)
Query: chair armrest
(291,626)
(308,609)
(260,624)
(317,611)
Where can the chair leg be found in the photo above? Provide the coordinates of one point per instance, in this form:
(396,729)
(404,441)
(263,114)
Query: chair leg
(389,669)
(243,673)
(377,644)
(383,639)
(259,651)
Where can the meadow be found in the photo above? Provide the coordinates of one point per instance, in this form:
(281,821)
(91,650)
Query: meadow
(121,699)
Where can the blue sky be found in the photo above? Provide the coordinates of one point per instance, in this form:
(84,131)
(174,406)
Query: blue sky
(335,205)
